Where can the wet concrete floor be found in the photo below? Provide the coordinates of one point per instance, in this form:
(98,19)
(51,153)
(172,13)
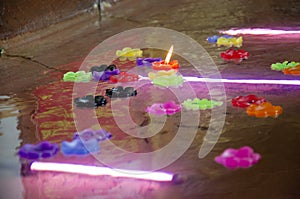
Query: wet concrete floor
(36,105)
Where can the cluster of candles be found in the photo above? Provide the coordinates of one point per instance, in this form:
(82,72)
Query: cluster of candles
(162,65)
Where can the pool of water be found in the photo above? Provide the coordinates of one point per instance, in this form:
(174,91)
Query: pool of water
(45,111)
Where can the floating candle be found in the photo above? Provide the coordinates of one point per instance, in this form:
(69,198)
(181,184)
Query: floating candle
(168,80)
(147,61)
(234,55)
(200,104)
(284,65)
(243,157)
(79,76)
(264,110)
(129,53)
(292,70)
(167,108)
(229,42)
(160,73)
(166,64)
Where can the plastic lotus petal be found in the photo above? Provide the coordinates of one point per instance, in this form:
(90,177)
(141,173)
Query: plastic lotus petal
(124,77)
(234,55)
(104,72)
(85,142)
(88,134)
(292,70)
(129,53)
(79,76)
(284,65)
(263,110)
(90,101)
(103,67)
(162,65)
(160,73)
(200,104)
(168,80)
(245,101)
(167,108)
(230,42)
(39,151)
(80,147)
(243,157)
(147,61)
(214,39)
(120,92)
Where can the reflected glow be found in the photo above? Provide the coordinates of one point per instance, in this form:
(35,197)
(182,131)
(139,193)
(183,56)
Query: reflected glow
(168,57)
(259,31)
(245,81)
(99,171)
(239,81)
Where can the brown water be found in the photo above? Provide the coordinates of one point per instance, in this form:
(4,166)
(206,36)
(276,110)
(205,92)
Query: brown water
(277,175)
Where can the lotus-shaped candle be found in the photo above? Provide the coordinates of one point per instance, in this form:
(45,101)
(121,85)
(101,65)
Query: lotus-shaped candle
(234,55)
(230,42)
(90,101)
(160,73)
(129,53)
(263,110)
(147,61)
(80,147)
(214,39)
(284,65)
(292,70)
(104,72)
(200,104)
(243,157)
(245,101)
(39,151)
(167,108)
(120,92)
(124,77)
(88,134)
(85,142)
(168,80)
(79,76)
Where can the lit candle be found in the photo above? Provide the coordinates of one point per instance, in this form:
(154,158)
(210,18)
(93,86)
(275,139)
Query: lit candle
(166,64)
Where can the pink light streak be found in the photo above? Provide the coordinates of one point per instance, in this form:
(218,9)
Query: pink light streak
(258,31)
(101,171)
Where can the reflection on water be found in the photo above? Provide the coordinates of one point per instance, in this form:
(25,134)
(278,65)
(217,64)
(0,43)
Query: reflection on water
(9,140)
(55,121)
(276,139)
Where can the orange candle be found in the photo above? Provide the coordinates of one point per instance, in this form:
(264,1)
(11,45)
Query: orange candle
(166,64)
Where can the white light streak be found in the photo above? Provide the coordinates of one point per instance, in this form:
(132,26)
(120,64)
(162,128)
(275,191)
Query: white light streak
(99,171)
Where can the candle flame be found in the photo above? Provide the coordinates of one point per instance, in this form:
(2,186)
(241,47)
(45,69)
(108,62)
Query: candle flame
(168,57)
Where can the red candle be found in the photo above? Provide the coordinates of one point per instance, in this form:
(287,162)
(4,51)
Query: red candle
(166,64)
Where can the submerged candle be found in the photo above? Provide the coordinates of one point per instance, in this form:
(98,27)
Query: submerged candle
(166,64)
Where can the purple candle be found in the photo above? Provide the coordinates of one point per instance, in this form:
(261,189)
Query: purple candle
(41,150)
(147,61)
(104,75)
